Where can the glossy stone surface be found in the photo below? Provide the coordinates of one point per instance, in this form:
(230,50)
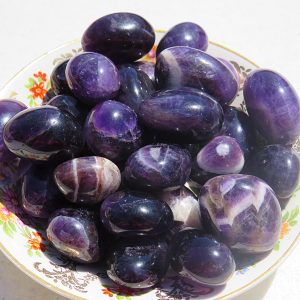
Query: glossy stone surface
(184,66)
(43,133)
(132,213)
(201,258)
(92,78)
(243,211)
(222,155)
(187,114)
(48,96)
(136,86)
(273,105)
(58,79)
(73,232)
(87,180)
(138,263)
(279,166)
(184,34)
(147,67)
(185,207)
(112,130)
(158,167)
(122,37)
(40,197)
(231,67)
(239,126)
(70,105)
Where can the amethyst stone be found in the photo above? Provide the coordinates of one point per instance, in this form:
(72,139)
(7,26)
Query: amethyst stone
(122,37)
(273,105)
(92,78)
(201,258)
(40,196)
(279,166)
(73,232)
(231,67)
(241,210)
(158,167)
(147,67)
(222,155)
(87,180)
(184,66)
(184,34)
(58,79)
(112,130)
(188,114)
(131,213)
(136,86)
(43,133)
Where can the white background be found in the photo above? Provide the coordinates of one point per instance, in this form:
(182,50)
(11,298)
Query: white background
(268,32)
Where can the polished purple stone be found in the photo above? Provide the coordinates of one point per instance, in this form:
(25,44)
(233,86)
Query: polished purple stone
(231,67)
(92,78)
(239,126)
(201,258)
(43,133)
(40,196)
(222,155)
(273,105)
(185,207)
(243,211)
(122,37)
(147,67)
(58,79)
(184,66)
(188,114)
(130,213)
(87,180)
(279,166)
(184,34)
(112,130)
(158,167)
(135,86)
(138,263)
(73,232)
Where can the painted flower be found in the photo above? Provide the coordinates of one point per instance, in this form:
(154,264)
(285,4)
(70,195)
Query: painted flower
(6,215)
(107,292)
(285,229)
(36,242)
(151,55)
(41,75)
(38,90)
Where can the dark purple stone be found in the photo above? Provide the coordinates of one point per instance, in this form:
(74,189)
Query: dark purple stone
(92,78)
(279,166)
(49,95)
(158,167)
(122,37)
(273,105)
(130,213)
(231,67)
(222,155)
(201,257)
(112,131)
(40,196)
(135,86)
(182,66)
(43,133)
(147,67)
(58,79)
(138,263)
(73,232)
(188,114)
(243,211)
(184,34)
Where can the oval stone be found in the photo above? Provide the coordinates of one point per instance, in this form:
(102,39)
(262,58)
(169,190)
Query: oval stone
(273,105)
(58,79)
(87,180)
(147,67)
(181,66)
(122,37)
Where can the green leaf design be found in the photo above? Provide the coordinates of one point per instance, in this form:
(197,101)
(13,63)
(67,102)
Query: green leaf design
(277,246)
(285,217)
(31,102)
(12,226)
(39,80)
(30,252)
(294,214)
(31,83)
(1,222)
(119,297)
(48,86)
(7,230)
(38,253)
(293,223)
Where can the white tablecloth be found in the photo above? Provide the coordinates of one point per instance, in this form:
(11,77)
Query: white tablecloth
(268,32)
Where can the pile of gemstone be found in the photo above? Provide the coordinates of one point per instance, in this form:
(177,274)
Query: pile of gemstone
(109,158)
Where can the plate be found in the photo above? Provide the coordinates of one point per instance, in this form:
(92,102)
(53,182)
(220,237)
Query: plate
(25,243)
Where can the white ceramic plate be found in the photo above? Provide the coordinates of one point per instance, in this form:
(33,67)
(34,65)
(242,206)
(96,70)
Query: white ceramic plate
(26,245)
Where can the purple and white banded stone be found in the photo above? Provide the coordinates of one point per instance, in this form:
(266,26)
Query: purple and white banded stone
(87,180)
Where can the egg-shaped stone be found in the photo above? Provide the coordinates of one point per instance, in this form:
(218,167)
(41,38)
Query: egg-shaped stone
(58,79)
(87,180)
